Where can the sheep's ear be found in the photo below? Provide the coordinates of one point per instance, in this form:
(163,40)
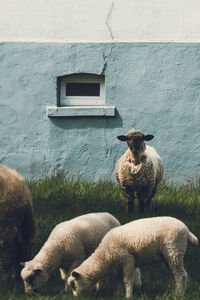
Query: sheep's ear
(22,264)
(37,271)
(123,138)
(148,137)
(75,274)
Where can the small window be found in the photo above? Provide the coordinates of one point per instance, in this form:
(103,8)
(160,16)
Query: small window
(82,89)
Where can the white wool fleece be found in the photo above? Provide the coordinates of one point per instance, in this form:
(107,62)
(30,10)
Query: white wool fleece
(68,245)
(133,245)
(139,170)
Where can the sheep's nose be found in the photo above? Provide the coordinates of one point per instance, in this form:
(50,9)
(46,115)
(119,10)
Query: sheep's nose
(135,152)
(31,292)
(136,147)
(75,293)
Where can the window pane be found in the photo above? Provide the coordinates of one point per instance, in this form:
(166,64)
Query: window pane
(82,89)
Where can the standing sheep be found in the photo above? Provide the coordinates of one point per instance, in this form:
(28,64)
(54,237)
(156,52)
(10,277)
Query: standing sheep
(68,245)
(139,170)
(159,239)
(17,226)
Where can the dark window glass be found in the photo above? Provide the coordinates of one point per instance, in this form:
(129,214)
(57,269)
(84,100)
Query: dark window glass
(82,89)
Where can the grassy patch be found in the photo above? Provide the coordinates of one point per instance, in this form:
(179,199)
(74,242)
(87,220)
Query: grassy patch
(58,199)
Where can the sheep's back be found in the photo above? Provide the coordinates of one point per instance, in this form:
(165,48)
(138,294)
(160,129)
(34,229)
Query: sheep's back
(13,189)
(83,232)
(15,199)
(146,239)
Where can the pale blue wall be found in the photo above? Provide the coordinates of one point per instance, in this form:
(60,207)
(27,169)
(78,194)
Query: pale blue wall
(154,86)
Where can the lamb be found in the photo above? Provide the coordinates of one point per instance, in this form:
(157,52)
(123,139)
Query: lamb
(17,225)
(140,169)
(68,245)
(159,239)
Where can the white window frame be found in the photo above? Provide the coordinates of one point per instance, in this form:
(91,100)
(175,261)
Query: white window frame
(80,106)
(82,100)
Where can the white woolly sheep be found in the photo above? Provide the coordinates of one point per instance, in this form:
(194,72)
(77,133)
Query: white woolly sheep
(17,226)
(68,245)
(140,169)
(159,239)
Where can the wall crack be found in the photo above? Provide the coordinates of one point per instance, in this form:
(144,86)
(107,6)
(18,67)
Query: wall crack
(105,59)
(108,21)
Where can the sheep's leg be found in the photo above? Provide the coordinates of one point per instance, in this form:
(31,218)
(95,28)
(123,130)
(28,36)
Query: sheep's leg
(28,233)
(137,278)
(143,195)
(149,199)
(148,202)
(128,267)
(141,201)
(129,195)
(130,206)
(180,278)
(178,273)
(8,263)
(101,283)
(65,272)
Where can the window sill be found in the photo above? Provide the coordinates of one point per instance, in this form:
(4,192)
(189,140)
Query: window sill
(80,111)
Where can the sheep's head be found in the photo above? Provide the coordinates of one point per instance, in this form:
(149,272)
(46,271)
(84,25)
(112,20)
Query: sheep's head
(78,284)
(135,140)
(33,276)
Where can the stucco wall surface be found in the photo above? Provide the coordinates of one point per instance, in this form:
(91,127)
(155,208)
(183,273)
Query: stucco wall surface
(100,20)
(154,86)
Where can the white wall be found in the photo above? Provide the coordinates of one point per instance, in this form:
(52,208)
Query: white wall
(100,20)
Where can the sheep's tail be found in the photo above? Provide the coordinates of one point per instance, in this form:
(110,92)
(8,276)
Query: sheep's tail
(28,232)
(24,243)
(192,238)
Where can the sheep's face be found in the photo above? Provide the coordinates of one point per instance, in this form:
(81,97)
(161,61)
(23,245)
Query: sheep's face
(78,284)
(135,140)
(33,276)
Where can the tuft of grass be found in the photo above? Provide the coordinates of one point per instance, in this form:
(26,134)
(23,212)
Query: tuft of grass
(58,199)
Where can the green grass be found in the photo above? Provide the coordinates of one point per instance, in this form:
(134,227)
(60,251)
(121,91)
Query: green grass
(58,199)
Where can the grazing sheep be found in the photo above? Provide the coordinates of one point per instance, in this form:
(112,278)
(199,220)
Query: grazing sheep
(139,170)
(159,239)
(68,245)
(17,226)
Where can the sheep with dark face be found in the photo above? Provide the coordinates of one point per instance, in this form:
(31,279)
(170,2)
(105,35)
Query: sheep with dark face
(17,226)
(140,169)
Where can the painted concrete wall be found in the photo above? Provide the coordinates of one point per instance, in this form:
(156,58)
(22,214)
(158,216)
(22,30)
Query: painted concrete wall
(100,20)
(154,86)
